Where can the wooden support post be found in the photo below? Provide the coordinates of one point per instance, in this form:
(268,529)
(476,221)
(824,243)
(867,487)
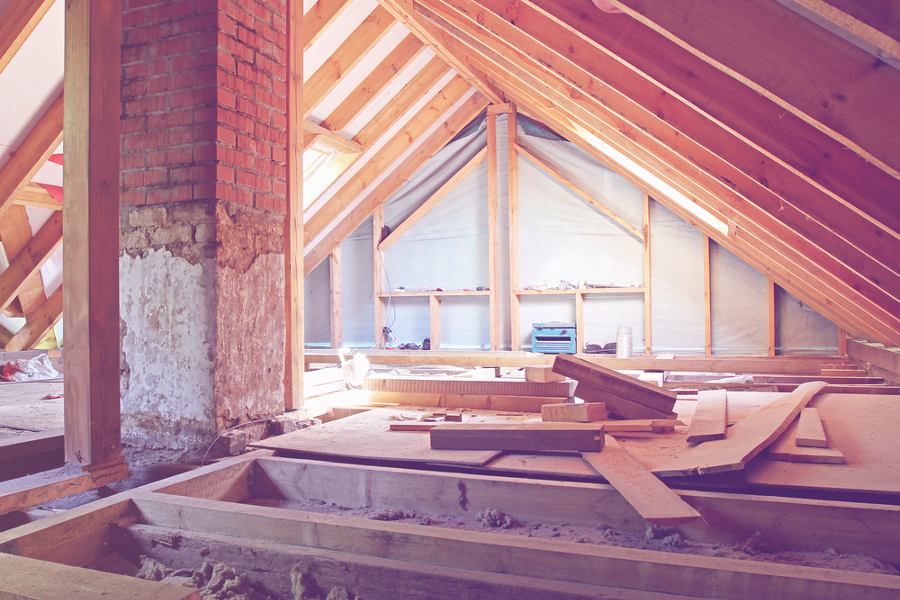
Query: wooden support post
(579,322)
(493,238)
(293,222)
(336,279)
(842,342)
(378,277)
(707,296)
(772,317)
(512,190)
(648,306)
(434,320)
(91,231)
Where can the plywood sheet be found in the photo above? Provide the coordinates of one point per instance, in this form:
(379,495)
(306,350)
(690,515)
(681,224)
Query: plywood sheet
(366,436)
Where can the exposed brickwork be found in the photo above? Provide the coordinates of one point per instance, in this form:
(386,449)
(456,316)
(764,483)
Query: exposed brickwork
(185,229)
(204,102)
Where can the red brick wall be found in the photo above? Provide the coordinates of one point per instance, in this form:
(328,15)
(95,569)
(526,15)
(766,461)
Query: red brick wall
(204,106)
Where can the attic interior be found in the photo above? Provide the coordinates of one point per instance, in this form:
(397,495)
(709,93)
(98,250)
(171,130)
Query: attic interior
(380,299)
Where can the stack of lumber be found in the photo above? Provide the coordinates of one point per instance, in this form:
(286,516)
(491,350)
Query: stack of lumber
(807,442)
(519,437)
(623,396)
(323,381)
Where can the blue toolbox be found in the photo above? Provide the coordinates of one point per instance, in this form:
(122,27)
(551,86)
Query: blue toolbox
(553,337)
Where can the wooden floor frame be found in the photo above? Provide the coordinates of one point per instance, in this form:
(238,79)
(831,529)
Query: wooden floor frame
(203,509)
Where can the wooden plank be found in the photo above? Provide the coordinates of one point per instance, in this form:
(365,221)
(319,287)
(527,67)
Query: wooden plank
(614,427)
(317,19)
(434,321)
(432,200)
(30,258)
(29,579)
(91,231)
(579,323)
(29,491)
(379,321)
(872,22)
(504,402)
(731,518)
(458,385)
(648,297)
(542,375)
(16,23)
(15,232)
(293,222)
(36,195)
(374,83)
(521,437)
(707,297)
(785,448)
(773,320)
(39,324)
(336,300)
(710,417)
(374,27)
(31,452)
(313,132)
(746,439)
(636,569)
(605,380)
(493,210)
(269,566)
(883,357)
(512,193)
(649,496)
(584,412)
(810,431)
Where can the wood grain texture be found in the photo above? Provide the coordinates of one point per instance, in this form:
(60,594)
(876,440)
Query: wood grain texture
(810,430)
(583,412)
(607,380)
(518,437)
(710,417)
(649,496)
(746,439)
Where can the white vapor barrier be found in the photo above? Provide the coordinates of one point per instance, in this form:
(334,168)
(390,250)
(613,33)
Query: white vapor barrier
(799,329)
(676,271)
(317,314)
(740,305)
(561,237)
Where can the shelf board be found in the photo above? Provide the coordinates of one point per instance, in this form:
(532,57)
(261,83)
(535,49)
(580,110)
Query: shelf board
(426,294)
(585,291)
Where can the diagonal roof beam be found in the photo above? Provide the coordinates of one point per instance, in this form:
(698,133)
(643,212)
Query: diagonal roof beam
(876,23)
(38,324)
(37,195)
(590,199)
(432,201)
(458,117)
(15,232)
(322,14)
(403,10)
(775,247)
(370,31)
(809,71)
(385,155)
(43,139)
(579,65)
(374,83)
(16,24)
(30,258)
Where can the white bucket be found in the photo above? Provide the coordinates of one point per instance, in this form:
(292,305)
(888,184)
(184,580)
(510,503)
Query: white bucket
(623,342)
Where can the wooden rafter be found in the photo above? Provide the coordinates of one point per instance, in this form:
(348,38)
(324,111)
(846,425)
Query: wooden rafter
(374,83)
(38,324)
(827,81)
(512,193)
(32,153)
(589,198)
(386,155)
(402,9)
(332,139)
(374,27)
(336,286)
(432,200)
(29,259)
(776,248)
(16,24)
(37,196)
(318,250)
(15,232)
(320,15)
(876,23)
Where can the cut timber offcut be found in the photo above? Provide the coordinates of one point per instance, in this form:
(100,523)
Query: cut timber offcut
(525,437)
(542,375)
(710,416)
(746,439)
(584,412)
(649,496)
(624,396)
(810,431)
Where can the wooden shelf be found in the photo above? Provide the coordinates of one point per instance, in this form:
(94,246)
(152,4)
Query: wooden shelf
(425,294)
(592,291)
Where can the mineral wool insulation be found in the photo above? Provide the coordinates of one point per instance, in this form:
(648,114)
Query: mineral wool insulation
(561,238)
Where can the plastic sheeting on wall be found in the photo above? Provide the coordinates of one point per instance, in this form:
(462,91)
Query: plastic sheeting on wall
(317,314)
(739,306)
(799,329)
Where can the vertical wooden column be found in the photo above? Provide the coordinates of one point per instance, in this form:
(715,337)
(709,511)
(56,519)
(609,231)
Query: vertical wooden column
(434,321)
(91,231)
(579,322)
(512,190)
(336,288)
(772,317)
(378,275)
(293,235)
(707,296)
(842,342)
(648,305)
(493,238)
